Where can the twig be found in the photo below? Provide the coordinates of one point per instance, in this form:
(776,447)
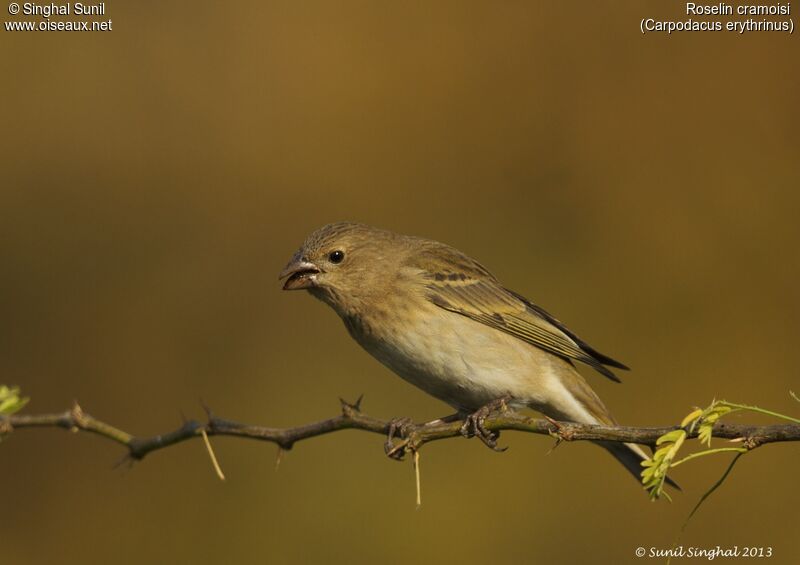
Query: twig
(351,417)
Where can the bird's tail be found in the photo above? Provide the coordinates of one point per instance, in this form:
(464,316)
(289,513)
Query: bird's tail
(580,403)
(631,456)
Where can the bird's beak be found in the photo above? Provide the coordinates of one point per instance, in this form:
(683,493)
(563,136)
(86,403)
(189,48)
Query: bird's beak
(299,274)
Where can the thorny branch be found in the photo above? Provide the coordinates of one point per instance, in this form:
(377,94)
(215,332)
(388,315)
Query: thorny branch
(351,417)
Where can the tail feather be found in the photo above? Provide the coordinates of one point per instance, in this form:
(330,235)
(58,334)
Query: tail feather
(631,456)
(577,402)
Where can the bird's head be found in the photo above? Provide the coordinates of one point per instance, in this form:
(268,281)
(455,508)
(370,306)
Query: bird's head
(344,264)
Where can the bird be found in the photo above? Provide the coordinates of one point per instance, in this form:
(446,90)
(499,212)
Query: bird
(441,321)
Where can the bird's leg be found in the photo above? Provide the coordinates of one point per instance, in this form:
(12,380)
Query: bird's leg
(398,427)
(473,423)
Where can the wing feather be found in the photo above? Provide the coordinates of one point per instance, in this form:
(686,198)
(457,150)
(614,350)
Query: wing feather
(471,291)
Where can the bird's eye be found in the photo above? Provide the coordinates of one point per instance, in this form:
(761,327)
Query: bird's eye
(336,256)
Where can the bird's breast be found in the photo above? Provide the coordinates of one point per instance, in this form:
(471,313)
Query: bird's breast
(460,361)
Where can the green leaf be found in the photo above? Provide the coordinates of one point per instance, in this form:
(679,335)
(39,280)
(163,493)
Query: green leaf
(692,417)
(672,436)
(709,417)
(654,474)
(10,400)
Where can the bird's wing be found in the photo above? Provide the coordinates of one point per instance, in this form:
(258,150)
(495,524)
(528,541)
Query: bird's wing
(465,287)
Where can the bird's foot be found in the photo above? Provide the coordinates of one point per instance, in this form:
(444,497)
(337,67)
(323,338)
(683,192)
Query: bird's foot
(474,423)
(398,427)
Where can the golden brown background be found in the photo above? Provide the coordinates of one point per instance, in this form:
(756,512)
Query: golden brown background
(155,179)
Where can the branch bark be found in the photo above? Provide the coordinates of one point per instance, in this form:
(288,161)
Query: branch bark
(351,417)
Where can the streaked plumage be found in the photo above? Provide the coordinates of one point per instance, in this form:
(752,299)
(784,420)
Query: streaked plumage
(444,323)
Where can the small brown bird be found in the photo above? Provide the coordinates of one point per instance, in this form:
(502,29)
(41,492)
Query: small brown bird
(442,322)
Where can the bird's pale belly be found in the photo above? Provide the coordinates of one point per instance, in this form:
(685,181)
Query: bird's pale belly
(464,363)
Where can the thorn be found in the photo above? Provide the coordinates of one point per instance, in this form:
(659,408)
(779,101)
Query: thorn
(183,417)
(211,454)
(348,408)
(555,433)
(206,409)
(556,425)
(126,460)
(561,432)
(78,419)
(555,445)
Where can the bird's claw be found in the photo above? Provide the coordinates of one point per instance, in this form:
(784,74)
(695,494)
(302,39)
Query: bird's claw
(474,424)
(398,427)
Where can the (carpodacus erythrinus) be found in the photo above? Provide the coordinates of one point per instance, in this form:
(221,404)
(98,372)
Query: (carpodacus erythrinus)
(442,322)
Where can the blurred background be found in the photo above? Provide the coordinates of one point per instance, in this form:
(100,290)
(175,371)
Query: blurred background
(156,179)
